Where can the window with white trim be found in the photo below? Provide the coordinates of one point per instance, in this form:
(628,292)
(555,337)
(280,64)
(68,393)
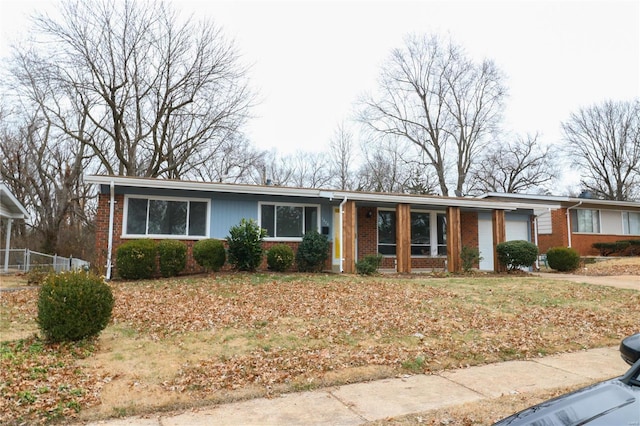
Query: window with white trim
(631,223)
(585,220)
(165,217)
(427,228)
(289,220)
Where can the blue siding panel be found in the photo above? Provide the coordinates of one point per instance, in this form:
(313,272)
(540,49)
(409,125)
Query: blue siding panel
(228,213)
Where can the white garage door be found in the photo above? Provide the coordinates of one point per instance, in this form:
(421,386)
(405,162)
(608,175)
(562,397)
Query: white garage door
(515,230)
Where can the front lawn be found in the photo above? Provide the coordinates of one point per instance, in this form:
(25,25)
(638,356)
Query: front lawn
(200,340)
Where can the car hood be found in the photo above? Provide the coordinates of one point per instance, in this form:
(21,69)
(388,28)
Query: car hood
(608,403)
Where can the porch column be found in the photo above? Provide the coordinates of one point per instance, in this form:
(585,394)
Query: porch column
(349,233)
(403,238)
(7,245)
(454,239)
(499,236)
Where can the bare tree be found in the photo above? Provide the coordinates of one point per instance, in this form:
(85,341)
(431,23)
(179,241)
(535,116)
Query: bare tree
(342,157)
(517,166)
(155,95)
(604,140)
(391,165)
(432,95)
(310,169)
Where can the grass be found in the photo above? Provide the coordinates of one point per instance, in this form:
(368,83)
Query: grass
(191,341)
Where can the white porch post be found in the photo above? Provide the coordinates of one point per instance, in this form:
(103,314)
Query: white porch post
(7,245)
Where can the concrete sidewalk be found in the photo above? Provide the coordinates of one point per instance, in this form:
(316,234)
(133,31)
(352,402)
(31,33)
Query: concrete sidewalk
(363,402)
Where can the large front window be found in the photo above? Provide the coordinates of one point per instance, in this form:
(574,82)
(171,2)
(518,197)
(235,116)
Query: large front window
(288,220)
(584,220)
(166,217)
(428,233)
(631,223)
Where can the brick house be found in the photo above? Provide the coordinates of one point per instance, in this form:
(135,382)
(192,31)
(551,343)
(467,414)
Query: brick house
(410,231)
(578,222)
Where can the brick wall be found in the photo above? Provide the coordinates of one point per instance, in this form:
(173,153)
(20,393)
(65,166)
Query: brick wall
(559,236)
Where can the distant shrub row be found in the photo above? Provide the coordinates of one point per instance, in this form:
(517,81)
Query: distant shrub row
(621,248)
(137,259)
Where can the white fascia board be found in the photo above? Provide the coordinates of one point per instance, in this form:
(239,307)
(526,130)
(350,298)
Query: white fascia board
(561,199)
(7,198)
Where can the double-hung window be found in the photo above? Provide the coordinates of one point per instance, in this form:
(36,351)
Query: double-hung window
(585,220)
(631,223)
(428,233)
(166,217)
(285,221)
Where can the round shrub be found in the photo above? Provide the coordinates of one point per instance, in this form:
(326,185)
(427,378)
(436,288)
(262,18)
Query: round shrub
(73,306)
(517,254)
(136,259)
(563,259)
(369,264)
(209,254)
(280,257)
(173,257)
(245,245)
(312,252)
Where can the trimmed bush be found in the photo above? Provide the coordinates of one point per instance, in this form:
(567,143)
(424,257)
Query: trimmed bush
(73,306)
(173,257)
(369,265)
(563,259)
(517,254)
(136,259)
(280,257)
(245,245)
(312,252)
(210,254)
(470,256)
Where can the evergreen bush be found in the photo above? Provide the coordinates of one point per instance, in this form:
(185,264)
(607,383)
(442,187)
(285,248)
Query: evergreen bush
(563,259)
(210,254)
(517,254)
(312,252)
(369,265)
(280,257)
(73,306)
(136,259)
(245,245)
(470,256)
(172,257)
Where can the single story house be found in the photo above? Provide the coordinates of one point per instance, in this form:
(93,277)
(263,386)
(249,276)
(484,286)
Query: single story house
(410,231)
(578,222)
(10,209)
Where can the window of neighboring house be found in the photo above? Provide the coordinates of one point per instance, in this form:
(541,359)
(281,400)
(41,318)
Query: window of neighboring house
(426,227)
(288,220)
(631,223)
(166,217)
(585,220)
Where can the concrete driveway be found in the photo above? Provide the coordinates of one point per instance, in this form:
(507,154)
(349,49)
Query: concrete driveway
(620,281)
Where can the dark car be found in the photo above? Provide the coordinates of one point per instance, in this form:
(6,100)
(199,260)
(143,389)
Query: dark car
(614,402)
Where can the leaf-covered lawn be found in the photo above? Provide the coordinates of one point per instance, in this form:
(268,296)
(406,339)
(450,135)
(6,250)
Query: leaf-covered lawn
(287,332)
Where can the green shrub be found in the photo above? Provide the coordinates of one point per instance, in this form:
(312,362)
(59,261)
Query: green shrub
(280,257)
(611,248)
(173,257)
(73,306)
(563,259)
(470,256)
(245,245)
(517,254)
(312,252)
(136,259)
(210,254)
(369,264)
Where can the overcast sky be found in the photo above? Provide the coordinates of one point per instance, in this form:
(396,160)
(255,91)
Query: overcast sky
(312,59)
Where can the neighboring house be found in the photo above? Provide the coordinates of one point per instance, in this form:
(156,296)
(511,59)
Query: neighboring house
(10,209)
(410,231)
(578,222)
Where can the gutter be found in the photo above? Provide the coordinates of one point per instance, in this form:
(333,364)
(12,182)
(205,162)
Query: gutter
(341,234)
(110,244)
(569,221)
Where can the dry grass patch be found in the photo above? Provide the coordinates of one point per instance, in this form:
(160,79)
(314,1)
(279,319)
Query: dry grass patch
(200,340)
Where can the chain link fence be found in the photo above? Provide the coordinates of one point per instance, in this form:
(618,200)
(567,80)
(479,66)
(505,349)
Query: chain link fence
(25,260)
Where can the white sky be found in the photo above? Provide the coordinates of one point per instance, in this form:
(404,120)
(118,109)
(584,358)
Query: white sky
(312,59)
